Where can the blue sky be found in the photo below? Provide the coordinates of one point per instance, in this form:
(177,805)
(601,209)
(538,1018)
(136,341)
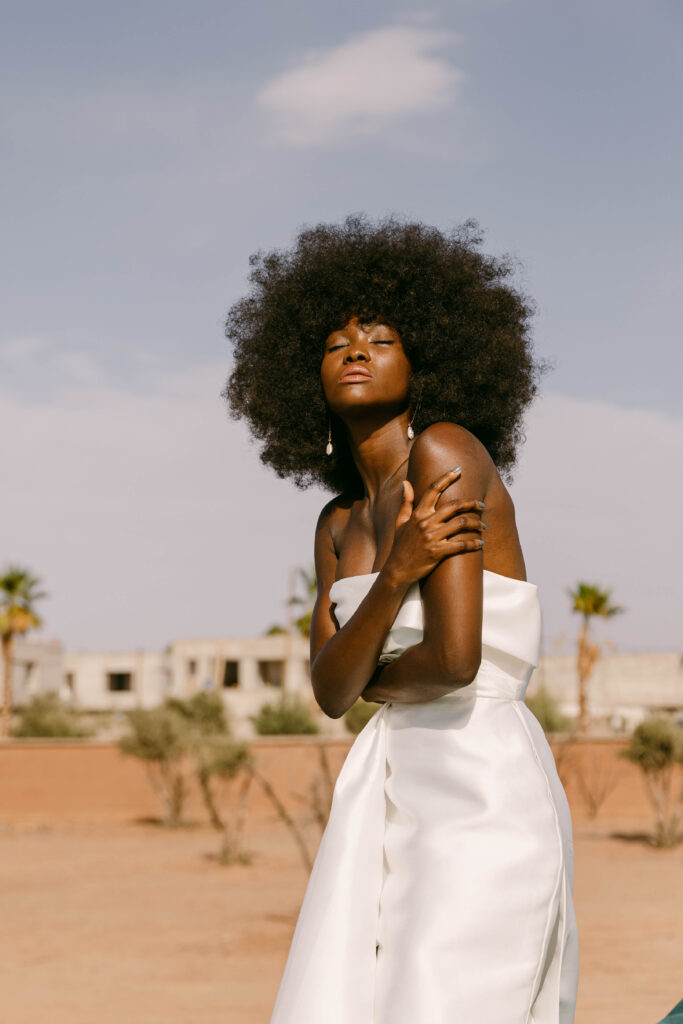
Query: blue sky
(148,148)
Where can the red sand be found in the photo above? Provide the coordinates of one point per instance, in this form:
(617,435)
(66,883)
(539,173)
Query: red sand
(105,920)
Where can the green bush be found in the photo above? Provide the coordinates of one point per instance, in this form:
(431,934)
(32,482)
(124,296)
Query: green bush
(290,716)
(157,734)
(656,746)
(186,737)
(544,707)
(218,764)
(161,737)
(46,715)
(359,714)
(205,712)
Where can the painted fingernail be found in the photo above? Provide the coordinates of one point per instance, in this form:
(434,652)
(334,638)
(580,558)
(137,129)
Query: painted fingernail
(481,543)
(483,526)
(456,469)
(481,504)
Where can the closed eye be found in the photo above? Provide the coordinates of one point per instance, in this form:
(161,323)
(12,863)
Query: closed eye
(377,341)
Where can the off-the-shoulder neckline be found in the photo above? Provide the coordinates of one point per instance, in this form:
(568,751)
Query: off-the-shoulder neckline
(487,572)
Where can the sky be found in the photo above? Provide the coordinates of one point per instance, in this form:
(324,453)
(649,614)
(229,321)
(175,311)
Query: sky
(149,148)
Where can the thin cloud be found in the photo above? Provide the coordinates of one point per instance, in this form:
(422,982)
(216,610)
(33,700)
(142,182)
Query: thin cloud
(24,347)
(365,84)
(42,364)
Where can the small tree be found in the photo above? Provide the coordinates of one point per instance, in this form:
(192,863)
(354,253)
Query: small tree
(227,766)
(290,716)
(204,713)
(589,601)
(161,738)
(318,801)
(596,776)
(219,765)
(46,715)
(19,590)
(656,746)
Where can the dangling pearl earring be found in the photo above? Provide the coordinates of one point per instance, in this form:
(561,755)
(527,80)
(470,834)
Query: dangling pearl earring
(410,431)
(330,447)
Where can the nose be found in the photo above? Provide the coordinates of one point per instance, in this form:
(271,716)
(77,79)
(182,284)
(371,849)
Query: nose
(356,351)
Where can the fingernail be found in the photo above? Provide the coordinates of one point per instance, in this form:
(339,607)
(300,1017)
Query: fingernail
(483,526)
(481,504)
(481,543)
(457,469)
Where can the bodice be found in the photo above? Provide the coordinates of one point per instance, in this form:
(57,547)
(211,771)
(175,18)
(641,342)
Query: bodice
(511,628)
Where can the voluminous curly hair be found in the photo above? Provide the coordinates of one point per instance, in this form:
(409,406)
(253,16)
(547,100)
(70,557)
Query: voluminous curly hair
(464,328)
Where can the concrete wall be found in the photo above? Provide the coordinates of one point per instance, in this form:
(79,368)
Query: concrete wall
(91,677)
(37,667)
(49,780)
(623,688)
(247,672)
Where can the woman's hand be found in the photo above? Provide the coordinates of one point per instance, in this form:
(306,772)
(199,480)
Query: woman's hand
(426,534)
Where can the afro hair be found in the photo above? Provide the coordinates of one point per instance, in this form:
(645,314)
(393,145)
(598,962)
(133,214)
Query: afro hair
(463,326)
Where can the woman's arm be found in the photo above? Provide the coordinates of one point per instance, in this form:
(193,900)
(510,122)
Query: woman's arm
(343,661)
(449,654)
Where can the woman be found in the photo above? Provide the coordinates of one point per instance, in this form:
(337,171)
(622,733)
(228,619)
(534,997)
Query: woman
(392,363)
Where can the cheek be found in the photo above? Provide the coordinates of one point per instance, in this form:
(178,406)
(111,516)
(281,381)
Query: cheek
(405,373)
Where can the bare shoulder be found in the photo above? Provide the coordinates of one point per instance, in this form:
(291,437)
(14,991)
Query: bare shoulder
(329,530)
(443,445)
(335,512)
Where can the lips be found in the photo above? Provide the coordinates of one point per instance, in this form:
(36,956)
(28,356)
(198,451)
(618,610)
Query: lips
(354,374)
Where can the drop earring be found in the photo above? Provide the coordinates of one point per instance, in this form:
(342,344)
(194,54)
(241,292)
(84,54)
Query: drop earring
(330,446)
(410,431)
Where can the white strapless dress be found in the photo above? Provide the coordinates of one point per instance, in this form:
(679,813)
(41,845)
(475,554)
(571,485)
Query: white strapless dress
(442,888)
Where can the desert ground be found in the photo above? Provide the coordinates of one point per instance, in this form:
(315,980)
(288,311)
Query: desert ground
(106,917)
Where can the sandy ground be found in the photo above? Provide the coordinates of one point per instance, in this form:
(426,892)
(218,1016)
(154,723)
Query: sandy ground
(119,921)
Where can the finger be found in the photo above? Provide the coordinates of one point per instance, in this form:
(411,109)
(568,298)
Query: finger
(406,509)
(460,524)
(430,497)
(461,544)
(453,508)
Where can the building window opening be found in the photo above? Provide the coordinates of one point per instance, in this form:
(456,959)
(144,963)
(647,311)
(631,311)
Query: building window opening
(230,673)
(118,682)
(191,667)
(271,672)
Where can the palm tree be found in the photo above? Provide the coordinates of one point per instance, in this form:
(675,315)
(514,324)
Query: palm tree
(18,593)
(589,600)
(308,578)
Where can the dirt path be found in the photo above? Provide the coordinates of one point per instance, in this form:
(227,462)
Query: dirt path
(113,923)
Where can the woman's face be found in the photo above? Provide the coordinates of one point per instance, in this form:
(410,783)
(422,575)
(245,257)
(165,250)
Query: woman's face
(364,367)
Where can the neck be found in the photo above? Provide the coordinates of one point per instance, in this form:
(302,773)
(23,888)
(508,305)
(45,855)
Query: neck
(379,449)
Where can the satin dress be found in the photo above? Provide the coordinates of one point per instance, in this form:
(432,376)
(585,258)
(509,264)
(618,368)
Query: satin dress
(442,888)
